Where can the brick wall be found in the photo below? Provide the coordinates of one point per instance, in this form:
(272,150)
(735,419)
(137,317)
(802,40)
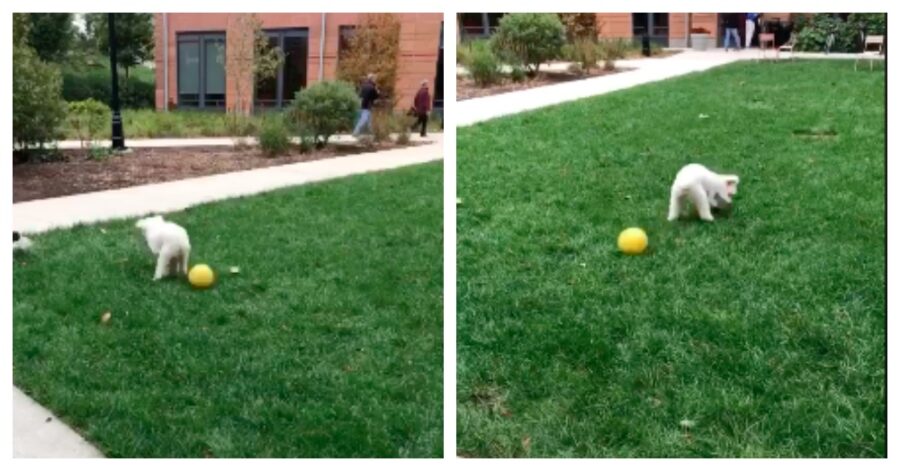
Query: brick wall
(419,43)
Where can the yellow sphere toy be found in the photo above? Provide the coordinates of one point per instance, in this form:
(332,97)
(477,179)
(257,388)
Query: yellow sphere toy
(633,241)
(201,276)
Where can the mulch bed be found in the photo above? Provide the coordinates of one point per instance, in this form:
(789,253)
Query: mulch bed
(76,173)
(466,88)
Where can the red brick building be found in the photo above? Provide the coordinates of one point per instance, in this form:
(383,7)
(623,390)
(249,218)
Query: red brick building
(667,29)
(191,73)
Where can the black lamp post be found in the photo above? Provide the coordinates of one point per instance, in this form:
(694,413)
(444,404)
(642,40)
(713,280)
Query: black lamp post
(118,136)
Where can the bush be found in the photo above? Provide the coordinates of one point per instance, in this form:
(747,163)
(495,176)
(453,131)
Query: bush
(612,50)
(517,74)
(324,109)
(403,127)
(583,52)
(95,84)
(530,38)
(871,23)
(87,118)
(38,108)
(812,34)
(274,138)
(382,123)
(482,64)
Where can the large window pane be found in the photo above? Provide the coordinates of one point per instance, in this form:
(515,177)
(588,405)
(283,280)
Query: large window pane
(188,73)
(294,66)
(215,67)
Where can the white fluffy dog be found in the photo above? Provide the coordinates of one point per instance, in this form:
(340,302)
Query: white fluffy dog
(705,188)
(169,242)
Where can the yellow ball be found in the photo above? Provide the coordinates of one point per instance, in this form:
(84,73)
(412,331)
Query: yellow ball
(201,276)
(633,241)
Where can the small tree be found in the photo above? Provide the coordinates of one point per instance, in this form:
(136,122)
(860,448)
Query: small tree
(325,109)
(134,36)
(38,108)
(374,47)
(251,58)
(87,118)
(50,35)
(529,38)
(20,29)
(580,26)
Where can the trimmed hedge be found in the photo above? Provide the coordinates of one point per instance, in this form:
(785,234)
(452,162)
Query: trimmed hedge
(96,84)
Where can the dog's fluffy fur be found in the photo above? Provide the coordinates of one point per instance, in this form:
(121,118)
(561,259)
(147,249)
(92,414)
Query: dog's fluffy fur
(169,242)
(20,242)
(704,188)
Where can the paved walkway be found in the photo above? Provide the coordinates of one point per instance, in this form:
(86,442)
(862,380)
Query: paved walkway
(37,433)
(641,71)
(211,141)
(36,436)
(41,215)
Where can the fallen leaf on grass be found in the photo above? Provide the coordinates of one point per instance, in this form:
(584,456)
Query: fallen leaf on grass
(235,270)
(104,319)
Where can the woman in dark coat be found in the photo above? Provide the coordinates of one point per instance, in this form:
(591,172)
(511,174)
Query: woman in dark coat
(422,105)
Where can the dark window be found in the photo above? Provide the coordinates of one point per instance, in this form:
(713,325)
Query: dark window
(201,70)
(479,25)
(439,78)
(655,25)
(279,91)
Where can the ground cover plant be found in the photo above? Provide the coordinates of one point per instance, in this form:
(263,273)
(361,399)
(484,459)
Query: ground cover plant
(762,334)
(326,343)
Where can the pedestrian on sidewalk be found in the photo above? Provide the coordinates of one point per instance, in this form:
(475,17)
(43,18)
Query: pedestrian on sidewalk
(422,105)
(750,28)
(368,93)
(732,23)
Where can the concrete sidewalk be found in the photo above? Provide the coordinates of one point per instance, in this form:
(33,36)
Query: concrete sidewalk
(36,431)
(215,141)
(41,215)
(641,71)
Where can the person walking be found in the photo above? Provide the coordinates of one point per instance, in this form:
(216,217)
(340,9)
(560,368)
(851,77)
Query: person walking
(750,28)
(732,23)
(368,93)
(422,105)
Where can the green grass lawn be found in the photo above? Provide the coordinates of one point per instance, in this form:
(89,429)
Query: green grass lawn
(326,344)
(765,331)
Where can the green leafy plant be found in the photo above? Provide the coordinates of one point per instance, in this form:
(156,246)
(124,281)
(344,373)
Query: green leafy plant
(583,52)
(274,137)
(99,152)
(611,50)
(529,38)
(517,74)
(482,64)
(325,109)
(87,118)
(38,108)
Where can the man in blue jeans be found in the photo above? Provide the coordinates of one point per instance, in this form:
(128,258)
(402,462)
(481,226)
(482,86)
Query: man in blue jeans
(368,93)
(749,28)
(732,23)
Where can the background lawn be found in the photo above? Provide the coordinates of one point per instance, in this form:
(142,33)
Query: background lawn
(328,342)
(766,330)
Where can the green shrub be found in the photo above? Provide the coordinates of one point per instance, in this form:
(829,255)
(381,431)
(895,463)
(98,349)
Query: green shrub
(402,126)
(813,35)
(325,109)
(583,52)
(38,108)
(274,137)
(530,38)
(872,23)
(382,123)
(482,64)
(87,119)
(517,74)
(611,50)
(95,83)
